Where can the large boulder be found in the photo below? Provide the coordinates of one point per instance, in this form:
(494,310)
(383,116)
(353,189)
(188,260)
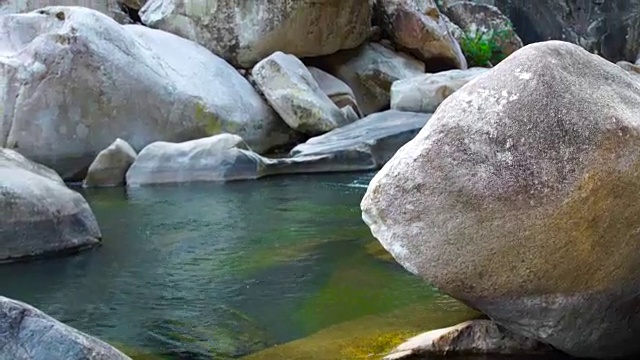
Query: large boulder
(111,8)
(607,27)
(486,19)
(294,93)
(366,144)
(74,80)
(521,197)
(470,338)
(40,215)
(337,90)
(29,334)
(418,28)
(245,32)
(219,158)
(370,70)
(424,93)
(111,165)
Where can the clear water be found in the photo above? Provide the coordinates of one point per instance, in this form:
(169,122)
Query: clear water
(221,271)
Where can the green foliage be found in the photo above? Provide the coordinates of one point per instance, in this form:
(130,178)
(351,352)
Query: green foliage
(483,48)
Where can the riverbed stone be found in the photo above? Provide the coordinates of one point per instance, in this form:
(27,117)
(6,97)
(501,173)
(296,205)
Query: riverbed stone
(521,197)
(473,17)
(424,93)
(366,144)
(110,8)
(337,90)
(245,32)
(111,165)
(81,80)
(470,338)
(295,95)
(369,71)
(40,215)
(29,334)
(417,27)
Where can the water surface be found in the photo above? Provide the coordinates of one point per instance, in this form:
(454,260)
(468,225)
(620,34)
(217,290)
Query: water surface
(220,271)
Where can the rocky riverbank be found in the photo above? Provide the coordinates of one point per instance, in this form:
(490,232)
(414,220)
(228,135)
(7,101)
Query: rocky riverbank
(525,155)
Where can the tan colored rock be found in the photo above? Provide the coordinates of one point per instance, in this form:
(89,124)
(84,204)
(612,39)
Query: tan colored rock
(521,197)
(424,93)
(245,32)
(474,337)
(418,28)
(369,71)
(472,17)
(111,165)
(295,95)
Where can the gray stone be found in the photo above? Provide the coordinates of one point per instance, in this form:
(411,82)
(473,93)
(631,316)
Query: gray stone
(337,90)
(40,215)
(418,28)
(110,8)
(111,165)
(369,71)
(366,144)
(219,158)
(74,82)
(424,93)
(521,197)
(27,333)
(474,337)
(245,32)
(485,19)
(295,95)
(609,28)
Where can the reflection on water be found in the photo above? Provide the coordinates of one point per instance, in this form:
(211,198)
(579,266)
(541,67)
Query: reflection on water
(219,271)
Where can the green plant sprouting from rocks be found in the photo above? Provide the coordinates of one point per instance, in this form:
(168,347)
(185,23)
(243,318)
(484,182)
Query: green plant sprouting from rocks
(483,47)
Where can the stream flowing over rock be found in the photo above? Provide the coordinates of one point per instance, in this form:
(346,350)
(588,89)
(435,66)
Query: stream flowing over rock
(424,93)
(295,95)
(521,197)
(470,338)
(40,215)
(245,32)
(29,334)
(74,80)
(606,27)
(111,165)
(417,27)
(369,71)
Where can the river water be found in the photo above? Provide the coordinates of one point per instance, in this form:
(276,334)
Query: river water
(224,271)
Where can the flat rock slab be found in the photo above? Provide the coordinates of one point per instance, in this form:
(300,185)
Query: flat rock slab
(365,144)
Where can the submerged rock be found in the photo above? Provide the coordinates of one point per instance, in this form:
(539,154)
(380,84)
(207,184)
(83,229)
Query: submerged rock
(483,18)
(30,334)
(418,28)
(424,93)
(40,215)
(474,337)
(111,165)
(366,144)
(144,90)
(294,93)
(521,197)
(369,71)
(337,90)
(245,32)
